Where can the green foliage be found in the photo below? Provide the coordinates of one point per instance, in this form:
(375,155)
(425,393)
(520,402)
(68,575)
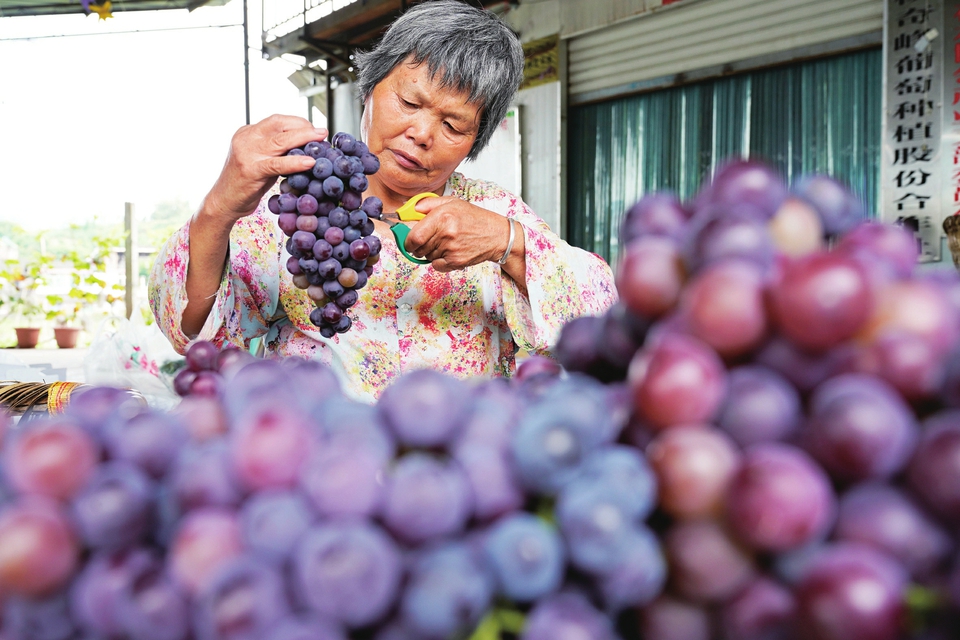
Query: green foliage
(20,285)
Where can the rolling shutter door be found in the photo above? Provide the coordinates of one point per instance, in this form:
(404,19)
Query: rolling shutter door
(626,57)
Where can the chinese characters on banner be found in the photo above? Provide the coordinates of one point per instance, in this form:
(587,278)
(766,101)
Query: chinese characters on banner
(913,113)
(950,135)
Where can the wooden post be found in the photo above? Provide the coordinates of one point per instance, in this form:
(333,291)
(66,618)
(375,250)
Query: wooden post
(131,259)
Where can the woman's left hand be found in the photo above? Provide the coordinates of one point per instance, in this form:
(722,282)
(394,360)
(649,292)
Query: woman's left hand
(456,234)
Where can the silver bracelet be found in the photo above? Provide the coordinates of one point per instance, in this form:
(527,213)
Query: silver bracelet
(506,254)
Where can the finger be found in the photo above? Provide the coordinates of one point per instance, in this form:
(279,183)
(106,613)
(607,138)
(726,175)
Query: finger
(286,165)
(427,205)
(296,138)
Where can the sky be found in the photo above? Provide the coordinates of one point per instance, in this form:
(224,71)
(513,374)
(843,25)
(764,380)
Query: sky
(91,118)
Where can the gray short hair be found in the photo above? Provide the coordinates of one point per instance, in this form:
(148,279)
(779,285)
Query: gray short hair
(469,49)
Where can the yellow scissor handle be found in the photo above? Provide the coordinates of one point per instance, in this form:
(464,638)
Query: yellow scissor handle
(407,212)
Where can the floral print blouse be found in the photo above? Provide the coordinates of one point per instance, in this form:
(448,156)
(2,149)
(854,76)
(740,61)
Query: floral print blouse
(468,323)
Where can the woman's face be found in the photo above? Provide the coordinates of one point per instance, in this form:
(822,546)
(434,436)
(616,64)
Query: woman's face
(420,132)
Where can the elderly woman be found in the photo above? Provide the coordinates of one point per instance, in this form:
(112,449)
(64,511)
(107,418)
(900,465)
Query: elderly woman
(434,90)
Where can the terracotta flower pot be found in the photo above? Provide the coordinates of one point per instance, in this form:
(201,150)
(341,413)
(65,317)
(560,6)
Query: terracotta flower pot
(66,336)
(27,337)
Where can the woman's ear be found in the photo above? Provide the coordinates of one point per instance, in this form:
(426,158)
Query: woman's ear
(365,117)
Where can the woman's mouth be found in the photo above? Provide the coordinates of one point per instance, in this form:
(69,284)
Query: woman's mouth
(405,161)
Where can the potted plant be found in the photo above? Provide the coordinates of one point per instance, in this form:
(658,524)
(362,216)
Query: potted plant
(20,301)
(88,289)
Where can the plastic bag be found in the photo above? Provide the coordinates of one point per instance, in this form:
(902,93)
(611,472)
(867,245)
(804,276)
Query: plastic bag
(130,354)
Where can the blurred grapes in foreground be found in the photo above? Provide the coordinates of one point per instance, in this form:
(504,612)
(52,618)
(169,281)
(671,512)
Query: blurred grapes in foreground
(759,441)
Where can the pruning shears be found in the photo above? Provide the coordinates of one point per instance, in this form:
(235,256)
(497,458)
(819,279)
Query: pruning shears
(407,213)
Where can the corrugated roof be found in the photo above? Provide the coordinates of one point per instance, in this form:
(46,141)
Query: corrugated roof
(10,8)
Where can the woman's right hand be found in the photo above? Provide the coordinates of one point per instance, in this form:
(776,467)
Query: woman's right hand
(257,156)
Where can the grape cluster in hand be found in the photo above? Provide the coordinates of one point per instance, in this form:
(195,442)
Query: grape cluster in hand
(329,226)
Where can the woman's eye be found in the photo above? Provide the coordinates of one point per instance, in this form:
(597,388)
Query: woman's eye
(451,127)
(407,103)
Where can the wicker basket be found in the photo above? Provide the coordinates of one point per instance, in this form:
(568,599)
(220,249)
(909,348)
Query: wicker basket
(26,398)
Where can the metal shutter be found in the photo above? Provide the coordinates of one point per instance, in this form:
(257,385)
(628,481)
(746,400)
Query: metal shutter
(708,34)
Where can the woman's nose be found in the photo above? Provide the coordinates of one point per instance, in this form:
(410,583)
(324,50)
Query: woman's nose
(420,132)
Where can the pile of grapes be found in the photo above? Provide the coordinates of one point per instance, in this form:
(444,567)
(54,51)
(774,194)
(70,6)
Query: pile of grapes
(759,441)
(329,227)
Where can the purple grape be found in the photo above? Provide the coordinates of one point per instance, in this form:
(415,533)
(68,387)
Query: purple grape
(447,592)
(424,408)
(343,478)
(305,628)
(361,280)
(96,592)
(887,519)
(371,163)
(299,181)
(934,470)
(317,319)
(333,186)
(333,153)
(496,490)
(526,556)
(715,233)
(287,223)
(859,428)
(333,289)
(308,265)
(567,614)
(669,618)
(351,234)
(322,169)
(273,522)
(339,218)
(347,299)
(594,525)
(341,252)
(286,187)
(640,575)
(763,610)
(654,214)
(287,203)
(341,167)
(95,406)
(324,207)
(761,406)
(830,595)
(330,313)
(46,618)
(350,199)
(150,440)
(273,203)
(306,204)
(334,236)
(367,228)
(839,209)
(803,370)
(293,267)
(312,149)
(706,565)
(185,377)
(372,206)
(374,243)
(201,356)
(779,499)
(154,608)
(322,250)
(202,477)
(296,152)
(360,148)
(746,182)
(347,571)
(114,509)
(358,218)
(345,142)
(358,182)
(303,241)
(426,498)
(244,600)
(315,189)
(343,324)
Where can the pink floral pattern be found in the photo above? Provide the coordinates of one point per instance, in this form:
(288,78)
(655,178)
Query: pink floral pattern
(469,323)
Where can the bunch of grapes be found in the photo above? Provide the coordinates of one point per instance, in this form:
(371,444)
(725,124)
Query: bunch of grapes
(794,378)
(329,226)
(760,441)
